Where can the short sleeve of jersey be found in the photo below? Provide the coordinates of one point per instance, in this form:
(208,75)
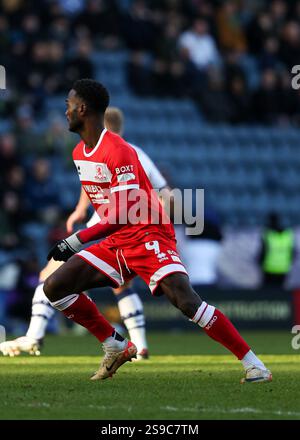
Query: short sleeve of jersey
(124,167)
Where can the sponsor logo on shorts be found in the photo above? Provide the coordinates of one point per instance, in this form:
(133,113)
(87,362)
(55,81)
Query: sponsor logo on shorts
(172,253)
(162,257)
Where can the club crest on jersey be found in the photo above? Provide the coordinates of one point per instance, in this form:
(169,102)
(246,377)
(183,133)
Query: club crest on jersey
(100,175)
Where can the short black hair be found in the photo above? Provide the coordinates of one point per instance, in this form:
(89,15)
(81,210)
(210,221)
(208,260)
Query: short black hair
(93,93)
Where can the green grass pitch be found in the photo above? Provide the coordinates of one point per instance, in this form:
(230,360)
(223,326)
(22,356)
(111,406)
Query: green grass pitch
(188,377)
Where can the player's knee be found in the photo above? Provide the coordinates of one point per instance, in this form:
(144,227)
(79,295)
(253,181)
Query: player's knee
(179,291)
(187,301)
(52,288)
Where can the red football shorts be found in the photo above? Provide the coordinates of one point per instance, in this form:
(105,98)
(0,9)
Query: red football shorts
(152,261)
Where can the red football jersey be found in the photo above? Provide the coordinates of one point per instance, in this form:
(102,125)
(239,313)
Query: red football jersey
(113,166)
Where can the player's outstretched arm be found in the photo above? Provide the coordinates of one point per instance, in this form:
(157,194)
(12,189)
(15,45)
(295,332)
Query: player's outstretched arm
(118,196)
(109,223)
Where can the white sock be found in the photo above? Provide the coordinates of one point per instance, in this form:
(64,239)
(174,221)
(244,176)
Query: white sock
(138,337)
(251,360)
(113,344)
(132,312)
(203,314)
(41,312)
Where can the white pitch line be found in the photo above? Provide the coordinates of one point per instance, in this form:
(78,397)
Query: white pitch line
(230,411)
(246,410)
(111,407)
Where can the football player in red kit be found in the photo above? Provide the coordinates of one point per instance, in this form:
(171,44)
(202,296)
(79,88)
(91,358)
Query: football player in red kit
(138,237)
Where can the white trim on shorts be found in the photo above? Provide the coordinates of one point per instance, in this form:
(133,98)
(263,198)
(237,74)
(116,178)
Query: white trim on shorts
(102,266)
(163,272)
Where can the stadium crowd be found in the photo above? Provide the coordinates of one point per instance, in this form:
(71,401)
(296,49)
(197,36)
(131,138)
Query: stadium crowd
(233,58)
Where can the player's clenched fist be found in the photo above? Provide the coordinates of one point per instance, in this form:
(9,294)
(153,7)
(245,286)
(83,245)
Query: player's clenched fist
(64,249)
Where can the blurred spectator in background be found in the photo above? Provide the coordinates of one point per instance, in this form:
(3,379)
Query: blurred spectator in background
(266,100)
(278,13)
(269,57)
(290,44)
(8,153)
(30,28)
(11,220)
(59,27)
(240,101)
(58,141)
(54,81)
(72,6)
(12,183)
(231,66)
(199,46)
(277,252)
(167,47)
(4,34)
(42,193)
(100,18)
(138,73)
(139,29)
(214,99)
(15,179)
(28,139)
(258,30)
(230,28)
(79,65)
